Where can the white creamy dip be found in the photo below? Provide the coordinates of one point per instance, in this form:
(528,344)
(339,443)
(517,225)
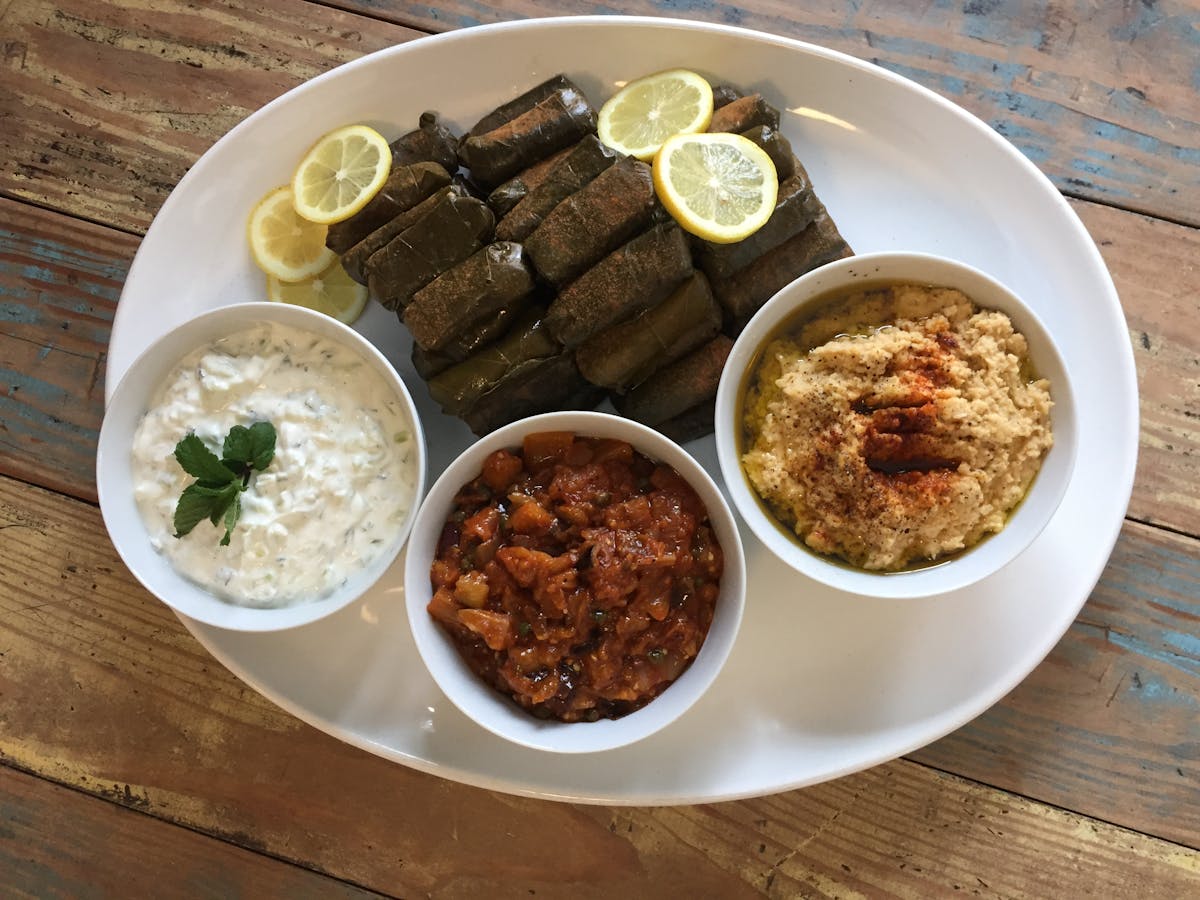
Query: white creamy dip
(341,484)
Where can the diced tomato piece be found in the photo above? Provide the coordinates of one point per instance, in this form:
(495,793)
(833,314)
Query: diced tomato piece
(524,565)
(501,469)
(580,454)
(442,606)
(483,525)
(552,592)
(546,448)
(535,690)
(574,515)
(633,513)
(443,572)
(495,628)
(530,518)
(614,450)
(471,590)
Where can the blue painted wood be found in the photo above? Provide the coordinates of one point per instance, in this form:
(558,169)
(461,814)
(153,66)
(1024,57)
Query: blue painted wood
(1103,97)
(60,280)
(1109,724)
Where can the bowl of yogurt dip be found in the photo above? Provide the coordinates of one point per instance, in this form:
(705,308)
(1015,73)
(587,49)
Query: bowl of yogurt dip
(260,467)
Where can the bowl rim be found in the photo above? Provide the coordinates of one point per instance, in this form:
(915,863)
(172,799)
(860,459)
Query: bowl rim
(962,569)
(122,520)
(497,713)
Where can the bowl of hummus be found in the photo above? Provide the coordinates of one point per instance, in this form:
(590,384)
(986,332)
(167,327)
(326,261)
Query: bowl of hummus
(896,424)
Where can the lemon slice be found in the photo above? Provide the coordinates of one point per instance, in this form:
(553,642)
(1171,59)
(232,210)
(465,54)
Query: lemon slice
(639,117)
(342,171)
(721,187)
(284,245)
(332,292)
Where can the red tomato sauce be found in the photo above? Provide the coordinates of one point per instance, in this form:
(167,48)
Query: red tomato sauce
(577,576)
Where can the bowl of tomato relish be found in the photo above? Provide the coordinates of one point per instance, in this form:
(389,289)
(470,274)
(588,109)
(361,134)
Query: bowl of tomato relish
(574,582)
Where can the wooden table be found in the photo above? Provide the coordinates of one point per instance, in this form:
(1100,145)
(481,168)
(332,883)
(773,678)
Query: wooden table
(135,765)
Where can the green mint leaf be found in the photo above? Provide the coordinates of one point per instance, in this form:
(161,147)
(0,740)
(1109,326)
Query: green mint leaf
(240,468)
(222,500)
(253,446)
(212,488)
(194,506)
(200,462)
(262,442)
(237,445)
(216,493)
(231,516)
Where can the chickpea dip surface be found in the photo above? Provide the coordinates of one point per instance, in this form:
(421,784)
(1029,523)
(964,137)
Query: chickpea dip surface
(893,445)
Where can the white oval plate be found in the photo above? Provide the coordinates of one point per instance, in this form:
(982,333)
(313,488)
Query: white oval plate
(820,683)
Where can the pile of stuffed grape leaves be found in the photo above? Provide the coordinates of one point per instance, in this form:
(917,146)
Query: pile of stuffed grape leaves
(536,268)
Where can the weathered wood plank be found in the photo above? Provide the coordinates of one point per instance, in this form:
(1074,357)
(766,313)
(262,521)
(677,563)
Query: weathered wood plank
(110,102)
(1156,270)
(60,280)
(59,284)
(56,842)
(1101,96)
(101,689)
(1122,691)
(944,837)
(106,104)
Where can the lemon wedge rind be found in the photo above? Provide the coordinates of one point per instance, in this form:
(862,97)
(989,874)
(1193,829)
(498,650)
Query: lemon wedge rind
(645,112)
(340,174)
(331,291)
(718,186)
(283,244)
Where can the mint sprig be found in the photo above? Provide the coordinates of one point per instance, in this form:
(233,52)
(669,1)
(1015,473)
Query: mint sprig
(216,494)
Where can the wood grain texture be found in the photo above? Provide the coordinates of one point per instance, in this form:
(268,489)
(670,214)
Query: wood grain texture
(101,689)
(1122,691)
(1156,269)
(110,101)
(1101,96)
(58,843)
(59,284)
(901,831)
(106,104)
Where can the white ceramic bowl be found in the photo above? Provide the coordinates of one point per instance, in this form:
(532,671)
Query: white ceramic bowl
(499,714)
(115,479)
(961,569)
